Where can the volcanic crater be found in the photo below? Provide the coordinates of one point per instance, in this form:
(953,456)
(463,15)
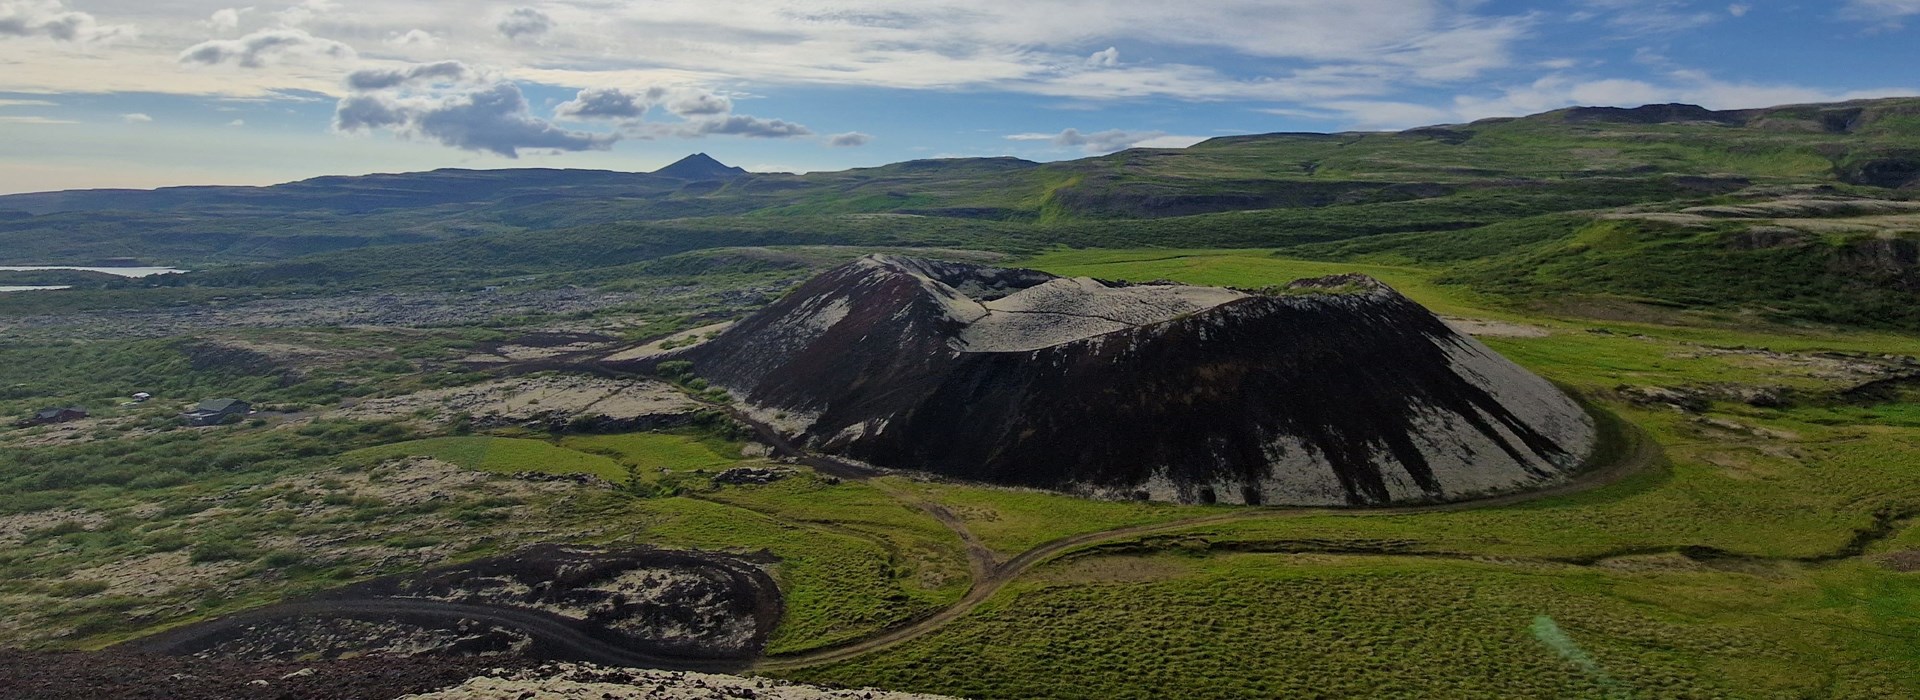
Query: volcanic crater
(1336,391)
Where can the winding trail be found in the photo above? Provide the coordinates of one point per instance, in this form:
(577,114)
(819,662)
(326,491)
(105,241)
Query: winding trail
(981,559)
(556,637)
(559,638)
(1638,452)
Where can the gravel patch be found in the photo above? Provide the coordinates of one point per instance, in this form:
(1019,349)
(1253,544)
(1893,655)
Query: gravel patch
(562,681)
(1483,328)
(534,400)
(14,529)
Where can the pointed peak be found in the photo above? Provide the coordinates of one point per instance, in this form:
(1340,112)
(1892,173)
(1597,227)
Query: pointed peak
(700,166)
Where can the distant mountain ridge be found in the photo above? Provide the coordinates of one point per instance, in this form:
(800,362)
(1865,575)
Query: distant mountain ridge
(700,166)
(364,193)
(1301,186)
(343,193)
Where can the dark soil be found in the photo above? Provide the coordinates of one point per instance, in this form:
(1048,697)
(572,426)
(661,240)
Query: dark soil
(688,610)
(31,675)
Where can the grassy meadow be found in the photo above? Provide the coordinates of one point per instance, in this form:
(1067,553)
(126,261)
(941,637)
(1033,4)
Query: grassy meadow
(1768,552)
(1759,558)
(1743,566)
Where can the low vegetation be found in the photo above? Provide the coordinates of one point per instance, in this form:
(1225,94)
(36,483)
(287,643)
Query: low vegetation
(1264,625)
(501,454)
(1673,275)
(1746,566)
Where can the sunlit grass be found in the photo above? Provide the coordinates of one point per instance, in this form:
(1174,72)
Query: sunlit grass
(505,455)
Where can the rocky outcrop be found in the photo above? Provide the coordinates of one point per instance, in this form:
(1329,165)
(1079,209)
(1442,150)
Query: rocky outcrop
(641,606)
(1891,169)
(1888,263)
(1336,391)
(567,681)
(1656,114)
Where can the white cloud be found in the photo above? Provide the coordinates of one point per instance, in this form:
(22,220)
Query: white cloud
(698,103)
(525,22)
(775,168)
(1559,91)
(1254,49)
(1110,140)
(464,107)
(851,139)
(1888,13)
(27,103)
(613,104)
(136,118)
(702,113)
(1692,87)
(1384,114)
(227,19)
(493,118)
(237,123)
(306,11)
(1360,61)
(417,38)
(34,120)
(1169,141)
(742,125)
(51,19)
(1644,17)
(1739,9)
(387,78)
(262,48)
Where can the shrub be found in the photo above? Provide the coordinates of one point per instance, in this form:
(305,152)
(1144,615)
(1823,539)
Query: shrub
(222,550)
(78,589)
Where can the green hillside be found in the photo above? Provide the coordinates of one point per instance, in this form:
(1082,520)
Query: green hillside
(1734,295)
(1584,208)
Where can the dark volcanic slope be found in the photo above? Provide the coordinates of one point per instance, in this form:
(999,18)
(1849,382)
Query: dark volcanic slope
(1339,392)
(644,606)
(123,675)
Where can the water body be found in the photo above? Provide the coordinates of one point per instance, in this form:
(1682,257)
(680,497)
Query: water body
(32,289)
(129,272)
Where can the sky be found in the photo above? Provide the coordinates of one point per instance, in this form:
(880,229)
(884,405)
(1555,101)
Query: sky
(138,93)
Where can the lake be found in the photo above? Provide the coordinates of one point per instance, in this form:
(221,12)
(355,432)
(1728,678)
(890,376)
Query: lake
(30,289)
(121,271)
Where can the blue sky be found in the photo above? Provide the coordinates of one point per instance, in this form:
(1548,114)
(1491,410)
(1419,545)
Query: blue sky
(134,93)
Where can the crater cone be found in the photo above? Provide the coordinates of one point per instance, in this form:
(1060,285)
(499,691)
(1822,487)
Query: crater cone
(1334,391)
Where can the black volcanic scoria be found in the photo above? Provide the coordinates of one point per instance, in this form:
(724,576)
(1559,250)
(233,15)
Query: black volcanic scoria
(1336,391)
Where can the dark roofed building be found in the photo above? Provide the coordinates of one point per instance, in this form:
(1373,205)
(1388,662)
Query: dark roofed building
(50,416)
(213,411)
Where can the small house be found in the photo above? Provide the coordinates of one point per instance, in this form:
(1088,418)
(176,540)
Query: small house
(142,397)
(50,416)
(213,411)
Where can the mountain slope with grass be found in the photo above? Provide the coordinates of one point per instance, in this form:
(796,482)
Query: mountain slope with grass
(1568,159)
(1799,213)
(1803,254)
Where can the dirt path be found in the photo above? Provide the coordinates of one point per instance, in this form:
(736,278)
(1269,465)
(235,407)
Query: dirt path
(1638,453)
(981,559)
